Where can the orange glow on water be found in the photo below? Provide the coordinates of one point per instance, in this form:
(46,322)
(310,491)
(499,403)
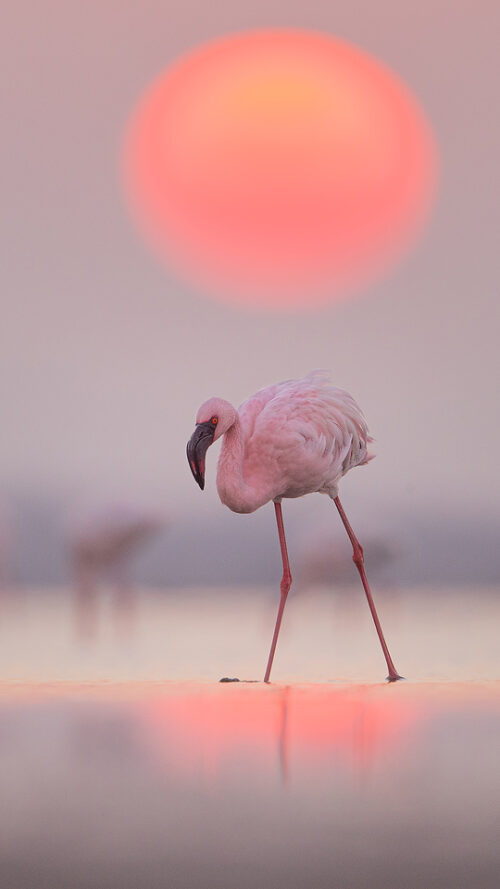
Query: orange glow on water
(203,733)
(279,168)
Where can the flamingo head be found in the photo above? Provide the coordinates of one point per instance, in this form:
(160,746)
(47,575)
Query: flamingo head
(213,419)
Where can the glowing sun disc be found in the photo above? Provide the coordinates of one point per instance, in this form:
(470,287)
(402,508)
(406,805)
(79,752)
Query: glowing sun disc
(279,168)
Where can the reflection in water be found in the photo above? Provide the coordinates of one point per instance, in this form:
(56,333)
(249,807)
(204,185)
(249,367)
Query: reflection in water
(181,786)
(204,733)
(283,735)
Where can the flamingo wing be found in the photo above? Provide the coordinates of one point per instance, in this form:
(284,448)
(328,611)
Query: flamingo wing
(303,435)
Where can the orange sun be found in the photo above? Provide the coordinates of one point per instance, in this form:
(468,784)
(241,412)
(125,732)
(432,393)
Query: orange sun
(279,168)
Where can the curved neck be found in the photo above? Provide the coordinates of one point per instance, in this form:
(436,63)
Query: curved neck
(231,486)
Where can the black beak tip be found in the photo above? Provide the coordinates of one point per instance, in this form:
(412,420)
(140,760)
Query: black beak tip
(197,474)
(196,449)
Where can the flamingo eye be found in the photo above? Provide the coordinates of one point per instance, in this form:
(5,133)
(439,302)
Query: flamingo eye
(215,420)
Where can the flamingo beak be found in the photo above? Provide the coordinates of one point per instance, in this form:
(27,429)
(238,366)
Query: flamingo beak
(197,447)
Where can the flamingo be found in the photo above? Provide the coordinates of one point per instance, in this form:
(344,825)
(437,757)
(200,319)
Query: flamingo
(289,439)
(102,541)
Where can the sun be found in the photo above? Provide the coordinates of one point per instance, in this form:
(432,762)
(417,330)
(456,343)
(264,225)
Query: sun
(279,169)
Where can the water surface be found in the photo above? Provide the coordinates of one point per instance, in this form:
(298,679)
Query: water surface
(118,774)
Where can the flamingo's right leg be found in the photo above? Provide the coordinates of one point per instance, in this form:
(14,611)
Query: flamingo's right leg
(286,582)
(358,559)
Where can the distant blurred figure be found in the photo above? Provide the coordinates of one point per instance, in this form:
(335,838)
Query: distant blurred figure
(324,560)
(6,546)
(102,544)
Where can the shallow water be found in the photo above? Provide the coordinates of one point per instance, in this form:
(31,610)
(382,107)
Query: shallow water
(326,635)
(149,781)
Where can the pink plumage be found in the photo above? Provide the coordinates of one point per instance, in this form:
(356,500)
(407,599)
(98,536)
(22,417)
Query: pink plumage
(293,438)
(309,432)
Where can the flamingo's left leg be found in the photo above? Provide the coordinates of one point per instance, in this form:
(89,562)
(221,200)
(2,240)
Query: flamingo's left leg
(358,559)
(286,582)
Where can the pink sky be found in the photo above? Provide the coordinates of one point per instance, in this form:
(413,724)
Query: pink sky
(103,355)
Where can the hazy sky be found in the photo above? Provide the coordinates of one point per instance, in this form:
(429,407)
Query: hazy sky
(104,357)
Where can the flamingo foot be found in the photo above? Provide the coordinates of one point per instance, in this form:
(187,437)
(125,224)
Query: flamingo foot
(395,677)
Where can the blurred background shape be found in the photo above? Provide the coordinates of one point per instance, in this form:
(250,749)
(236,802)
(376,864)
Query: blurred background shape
(102,543)
(104,540)
(7,544)
(323,558)
(279,168)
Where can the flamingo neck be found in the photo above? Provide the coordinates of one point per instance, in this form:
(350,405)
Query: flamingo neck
(232,488)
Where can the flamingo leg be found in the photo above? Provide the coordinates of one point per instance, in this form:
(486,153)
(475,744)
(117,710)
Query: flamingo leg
(286,582)
(358,559)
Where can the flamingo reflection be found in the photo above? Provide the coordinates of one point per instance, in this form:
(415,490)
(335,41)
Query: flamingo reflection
(213,734)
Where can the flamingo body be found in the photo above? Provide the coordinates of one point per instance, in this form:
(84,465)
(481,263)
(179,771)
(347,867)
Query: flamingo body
(287,440)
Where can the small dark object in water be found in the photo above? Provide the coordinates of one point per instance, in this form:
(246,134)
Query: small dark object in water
(227,679)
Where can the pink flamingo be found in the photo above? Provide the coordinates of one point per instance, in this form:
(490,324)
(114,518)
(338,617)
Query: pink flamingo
(102,542)
(290,439)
